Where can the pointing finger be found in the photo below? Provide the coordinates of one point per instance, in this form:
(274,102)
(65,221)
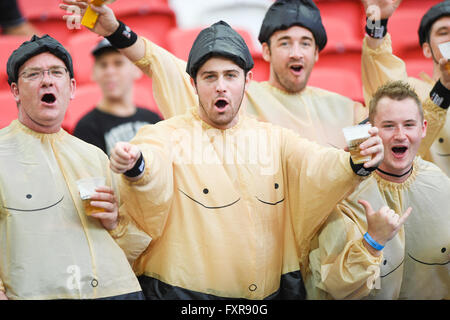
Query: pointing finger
(405,216)
(367,207)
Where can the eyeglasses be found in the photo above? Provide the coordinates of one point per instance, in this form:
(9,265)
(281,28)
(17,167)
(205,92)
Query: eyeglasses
(38,74)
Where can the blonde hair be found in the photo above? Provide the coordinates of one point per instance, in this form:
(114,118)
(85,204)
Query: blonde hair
(395,90)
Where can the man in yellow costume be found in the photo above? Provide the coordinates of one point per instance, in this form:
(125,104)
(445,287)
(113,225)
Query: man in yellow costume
(292,35)
(360,253)
(380,65)
(49,247)
(231,203)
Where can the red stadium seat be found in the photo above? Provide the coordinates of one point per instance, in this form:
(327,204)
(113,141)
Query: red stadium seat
(156,17)
(87,97)
(350,60)
(8,110)
(8,44)
(180,42)
(335,79)
(80,47)
(415,66)
(46,16)
(343,23)
(404,23)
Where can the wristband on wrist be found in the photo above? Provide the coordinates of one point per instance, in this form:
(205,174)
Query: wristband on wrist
(123,37)
(440,95)
(360,170)
(376,29)
(372,242)
(138,168)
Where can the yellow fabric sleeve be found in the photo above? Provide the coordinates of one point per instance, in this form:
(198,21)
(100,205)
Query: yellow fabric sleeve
(149,198)
(346,266)
(2,288)
(130,238)
(436,117)
(171,84)
(324,177)
(378,66)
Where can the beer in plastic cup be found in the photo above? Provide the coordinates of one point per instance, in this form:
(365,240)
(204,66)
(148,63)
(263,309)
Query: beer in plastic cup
(354,136)
(90,16)
(445,51)
(87,188)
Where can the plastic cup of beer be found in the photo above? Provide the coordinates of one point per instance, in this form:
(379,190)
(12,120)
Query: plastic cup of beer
(87,187)
(354,136)
(445,51)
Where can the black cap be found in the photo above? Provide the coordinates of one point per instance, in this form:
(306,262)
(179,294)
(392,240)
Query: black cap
(33,47)
(284,14)
(103,46)
(437,11)
(218,40)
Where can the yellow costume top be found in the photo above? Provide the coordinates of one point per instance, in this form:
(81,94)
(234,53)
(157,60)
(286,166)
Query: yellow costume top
(314,113)
(415,264)
(49,248)
(232,211)
(379,66)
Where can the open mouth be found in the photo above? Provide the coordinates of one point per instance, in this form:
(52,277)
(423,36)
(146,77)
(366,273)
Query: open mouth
(399,151)
(296,68)
(221,104)
(48,98)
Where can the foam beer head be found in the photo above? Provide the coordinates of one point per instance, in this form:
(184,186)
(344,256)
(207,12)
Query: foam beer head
(445,51)
(90,16)
(87,187)
(354,136)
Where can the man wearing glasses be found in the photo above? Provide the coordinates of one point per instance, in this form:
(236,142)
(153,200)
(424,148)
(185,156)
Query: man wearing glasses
(49,247)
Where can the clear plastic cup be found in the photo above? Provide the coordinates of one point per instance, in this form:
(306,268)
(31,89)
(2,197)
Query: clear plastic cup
(354,136)
(445,51)
(87,187)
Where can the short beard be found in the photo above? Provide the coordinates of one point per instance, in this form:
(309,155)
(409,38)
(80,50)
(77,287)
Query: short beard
(237,111)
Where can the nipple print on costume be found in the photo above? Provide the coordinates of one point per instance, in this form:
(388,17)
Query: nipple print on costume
(207,194)
(442,145)
(443,251)
(389,272)
(29,197)
(206,191)
(278,190)
(276,187)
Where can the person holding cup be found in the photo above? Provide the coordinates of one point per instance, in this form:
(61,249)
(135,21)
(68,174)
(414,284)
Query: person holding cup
(230,202)
(389,238)
(379,65)
(49,247)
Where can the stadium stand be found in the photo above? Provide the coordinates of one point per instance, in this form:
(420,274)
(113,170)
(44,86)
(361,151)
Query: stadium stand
(8,110)
(180,42)
(173,24)
(7,44)
(87,96)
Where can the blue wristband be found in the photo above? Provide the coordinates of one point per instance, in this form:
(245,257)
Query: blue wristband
(372,242)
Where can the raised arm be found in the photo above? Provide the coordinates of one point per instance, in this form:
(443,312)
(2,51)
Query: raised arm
(344,264)
(378,63)
(318,178)
(172,89)
(146,185)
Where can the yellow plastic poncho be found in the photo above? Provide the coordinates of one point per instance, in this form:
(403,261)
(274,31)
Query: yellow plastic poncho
(314,113)
(231,211)
(49,248)
(413,265)
(379,66)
